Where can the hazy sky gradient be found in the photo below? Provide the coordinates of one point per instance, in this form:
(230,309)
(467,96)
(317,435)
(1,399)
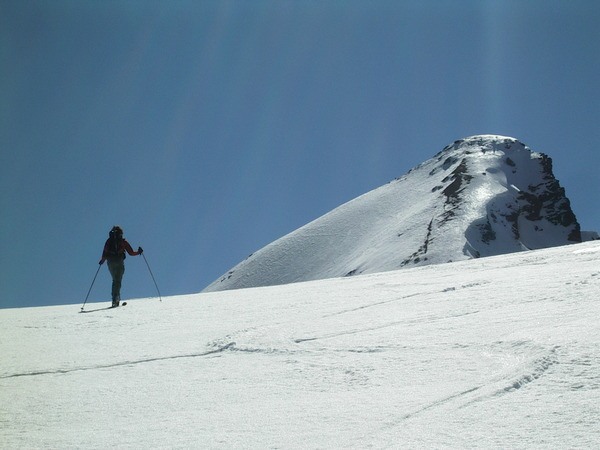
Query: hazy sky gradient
(208,129)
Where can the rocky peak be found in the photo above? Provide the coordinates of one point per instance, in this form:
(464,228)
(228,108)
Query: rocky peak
(532,200)
(480,196)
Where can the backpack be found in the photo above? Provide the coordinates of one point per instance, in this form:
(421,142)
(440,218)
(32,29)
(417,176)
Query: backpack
(114,245)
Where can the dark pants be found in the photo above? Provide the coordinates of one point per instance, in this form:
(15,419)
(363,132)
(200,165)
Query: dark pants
(116,269)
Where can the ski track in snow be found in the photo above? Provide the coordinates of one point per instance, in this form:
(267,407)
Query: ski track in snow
(119,364)
(527,374)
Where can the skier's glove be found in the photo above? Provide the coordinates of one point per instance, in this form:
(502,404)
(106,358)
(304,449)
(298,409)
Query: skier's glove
(101,262)
(140,250)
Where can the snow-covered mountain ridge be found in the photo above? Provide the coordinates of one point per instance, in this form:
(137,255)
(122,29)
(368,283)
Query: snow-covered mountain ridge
(480,196)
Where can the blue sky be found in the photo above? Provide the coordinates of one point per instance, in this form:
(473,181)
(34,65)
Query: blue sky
(208,129)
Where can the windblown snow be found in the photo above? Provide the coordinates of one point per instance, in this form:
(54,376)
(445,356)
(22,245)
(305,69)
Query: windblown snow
(481,196)
(498,352)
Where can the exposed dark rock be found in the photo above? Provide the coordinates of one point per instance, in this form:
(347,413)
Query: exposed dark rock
(548,201)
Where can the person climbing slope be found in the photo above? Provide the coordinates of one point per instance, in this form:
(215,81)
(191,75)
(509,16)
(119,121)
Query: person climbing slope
(114,253)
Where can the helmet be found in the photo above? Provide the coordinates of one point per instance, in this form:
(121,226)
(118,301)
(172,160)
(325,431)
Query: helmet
(116,231)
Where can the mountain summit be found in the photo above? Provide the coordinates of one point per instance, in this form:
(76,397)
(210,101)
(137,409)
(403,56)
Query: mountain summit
(480,196)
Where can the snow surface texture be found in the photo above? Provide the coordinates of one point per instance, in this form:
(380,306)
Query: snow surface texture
(499,352)
(481,196)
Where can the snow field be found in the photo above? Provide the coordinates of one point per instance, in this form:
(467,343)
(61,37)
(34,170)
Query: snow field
(498,352)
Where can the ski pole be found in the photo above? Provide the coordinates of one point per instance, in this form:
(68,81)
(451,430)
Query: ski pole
(152,275)
(90,289)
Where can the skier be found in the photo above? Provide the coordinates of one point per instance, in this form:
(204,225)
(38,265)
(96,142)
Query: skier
(114,252)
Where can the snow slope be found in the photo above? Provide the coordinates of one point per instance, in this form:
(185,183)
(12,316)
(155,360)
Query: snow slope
(498,352)
(481,196)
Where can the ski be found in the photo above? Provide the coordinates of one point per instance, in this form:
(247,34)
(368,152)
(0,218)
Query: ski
(103,309)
